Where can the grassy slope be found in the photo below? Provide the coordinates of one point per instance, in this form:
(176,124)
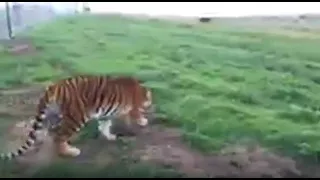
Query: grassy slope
(219,85)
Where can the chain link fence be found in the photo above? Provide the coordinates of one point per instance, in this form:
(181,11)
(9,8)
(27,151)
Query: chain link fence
(25,15)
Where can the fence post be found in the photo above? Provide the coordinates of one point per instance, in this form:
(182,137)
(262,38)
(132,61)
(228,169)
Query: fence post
(9,25)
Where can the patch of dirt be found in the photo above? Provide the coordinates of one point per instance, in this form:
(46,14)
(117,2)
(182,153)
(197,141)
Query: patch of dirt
(19,103)
(157,145)
(162,145)
(18,46)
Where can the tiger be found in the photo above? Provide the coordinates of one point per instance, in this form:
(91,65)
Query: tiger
(67,105)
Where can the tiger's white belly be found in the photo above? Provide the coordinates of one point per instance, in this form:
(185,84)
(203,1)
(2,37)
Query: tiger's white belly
(113,112)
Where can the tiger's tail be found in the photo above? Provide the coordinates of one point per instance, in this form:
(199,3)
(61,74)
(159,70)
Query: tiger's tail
(37,125)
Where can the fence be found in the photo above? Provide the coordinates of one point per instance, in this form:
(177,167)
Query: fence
(23,16)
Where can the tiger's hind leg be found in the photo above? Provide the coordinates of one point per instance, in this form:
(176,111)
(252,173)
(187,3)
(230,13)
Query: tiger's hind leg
(65,149)
(104,127)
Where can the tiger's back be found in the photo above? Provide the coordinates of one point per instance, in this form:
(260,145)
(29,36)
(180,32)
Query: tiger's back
(77,100)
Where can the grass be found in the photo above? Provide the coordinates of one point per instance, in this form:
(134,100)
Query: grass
(220,85)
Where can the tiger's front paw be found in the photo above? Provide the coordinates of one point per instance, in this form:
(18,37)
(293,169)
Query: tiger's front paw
(143,121)
(105,129)
(111,137)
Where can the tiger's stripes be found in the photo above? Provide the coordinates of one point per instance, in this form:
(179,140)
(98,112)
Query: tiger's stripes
(82,98)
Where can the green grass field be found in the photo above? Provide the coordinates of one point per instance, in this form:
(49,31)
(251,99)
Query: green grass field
(219,85)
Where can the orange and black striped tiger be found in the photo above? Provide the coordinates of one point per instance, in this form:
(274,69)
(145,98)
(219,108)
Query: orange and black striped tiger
(74,101)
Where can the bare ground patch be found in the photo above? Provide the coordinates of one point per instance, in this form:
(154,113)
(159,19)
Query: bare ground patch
(163,146)
(156,145)
(18,46)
